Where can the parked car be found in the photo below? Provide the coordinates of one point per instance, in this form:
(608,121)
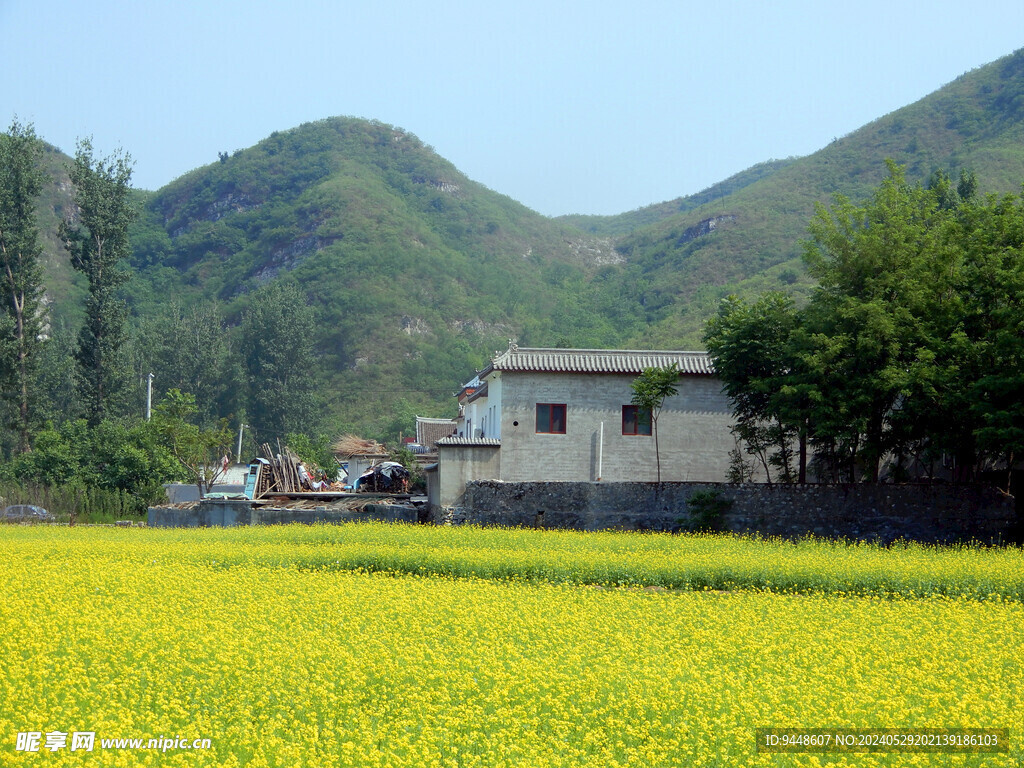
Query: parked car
(25,513)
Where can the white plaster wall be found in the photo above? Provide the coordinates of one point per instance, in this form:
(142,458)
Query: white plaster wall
(494,387)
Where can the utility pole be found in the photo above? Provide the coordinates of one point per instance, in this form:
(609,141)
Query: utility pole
(238,453)
(149,396)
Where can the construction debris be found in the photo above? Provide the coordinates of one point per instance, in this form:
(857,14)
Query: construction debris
(349,504)
(285,470)
(386,477)
(279,473)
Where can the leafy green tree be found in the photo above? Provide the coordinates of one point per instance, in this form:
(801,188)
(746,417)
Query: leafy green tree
(21,181)
(198,450)
(97,240)
(131,456)
(54,381)
(278,361)
(883,273)
(113,456)
(189,349)
(993,326)
(908,348)
(650,390)
(316,451)
(757,355)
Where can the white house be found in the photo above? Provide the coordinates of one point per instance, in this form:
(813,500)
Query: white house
(565,414)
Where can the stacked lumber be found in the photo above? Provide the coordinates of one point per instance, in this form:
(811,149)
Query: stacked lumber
(283,469)
(351,445)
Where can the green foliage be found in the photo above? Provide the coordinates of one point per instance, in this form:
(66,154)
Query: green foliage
(54,380)
(626,223)
(315,451)
(888,305)
(705,510)
(650,390)
(405,457)
(97,240)
(653,386)
(277,350)
(192,350)
(197,449)
(908,351)
(990,348)
(113,456)
(21,181)
(75,502)
(756,354)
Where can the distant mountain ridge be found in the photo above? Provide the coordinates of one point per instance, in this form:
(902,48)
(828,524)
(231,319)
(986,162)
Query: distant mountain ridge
(976,122)
(419,272)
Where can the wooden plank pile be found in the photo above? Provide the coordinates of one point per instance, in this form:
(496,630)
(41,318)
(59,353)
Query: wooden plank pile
(282,470)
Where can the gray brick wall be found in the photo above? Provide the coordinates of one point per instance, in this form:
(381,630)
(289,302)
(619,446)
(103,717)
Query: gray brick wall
(460,464)
(693,430)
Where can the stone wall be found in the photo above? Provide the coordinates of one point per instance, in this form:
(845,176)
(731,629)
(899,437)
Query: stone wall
(229,513)
(935,513)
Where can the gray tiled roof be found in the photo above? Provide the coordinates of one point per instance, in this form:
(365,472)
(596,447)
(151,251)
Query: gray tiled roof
(630,361)
(456,440)
(429,431)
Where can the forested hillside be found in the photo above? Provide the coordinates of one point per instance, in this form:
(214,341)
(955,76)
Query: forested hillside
(400,275)
(416,272)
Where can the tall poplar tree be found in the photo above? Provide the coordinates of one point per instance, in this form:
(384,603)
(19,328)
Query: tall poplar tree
(279,362)
(97,239)
(21,180)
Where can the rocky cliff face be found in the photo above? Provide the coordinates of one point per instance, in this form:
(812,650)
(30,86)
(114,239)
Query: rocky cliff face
(704,228)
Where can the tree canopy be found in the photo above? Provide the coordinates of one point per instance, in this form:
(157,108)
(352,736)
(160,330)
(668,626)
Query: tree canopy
(908,356)
(21,318)
(650,390)
(96,237)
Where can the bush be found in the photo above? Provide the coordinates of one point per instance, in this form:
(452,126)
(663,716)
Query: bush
(417,479)
(705,510)
(128,461)
(76,502)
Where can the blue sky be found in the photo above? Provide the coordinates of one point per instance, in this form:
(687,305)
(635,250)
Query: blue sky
(569,107)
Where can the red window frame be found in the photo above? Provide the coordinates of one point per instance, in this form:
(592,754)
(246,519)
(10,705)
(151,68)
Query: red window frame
(551,418)
(633,421)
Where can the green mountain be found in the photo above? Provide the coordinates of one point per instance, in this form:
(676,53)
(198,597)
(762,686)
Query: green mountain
(418,273)
(749,238)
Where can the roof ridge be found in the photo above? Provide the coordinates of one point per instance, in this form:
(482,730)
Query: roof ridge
(577,350)
(625,361)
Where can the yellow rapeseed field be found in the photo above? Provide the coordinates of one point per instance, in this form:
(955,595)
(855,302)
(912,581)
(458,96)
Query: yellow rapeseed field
(300,647)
